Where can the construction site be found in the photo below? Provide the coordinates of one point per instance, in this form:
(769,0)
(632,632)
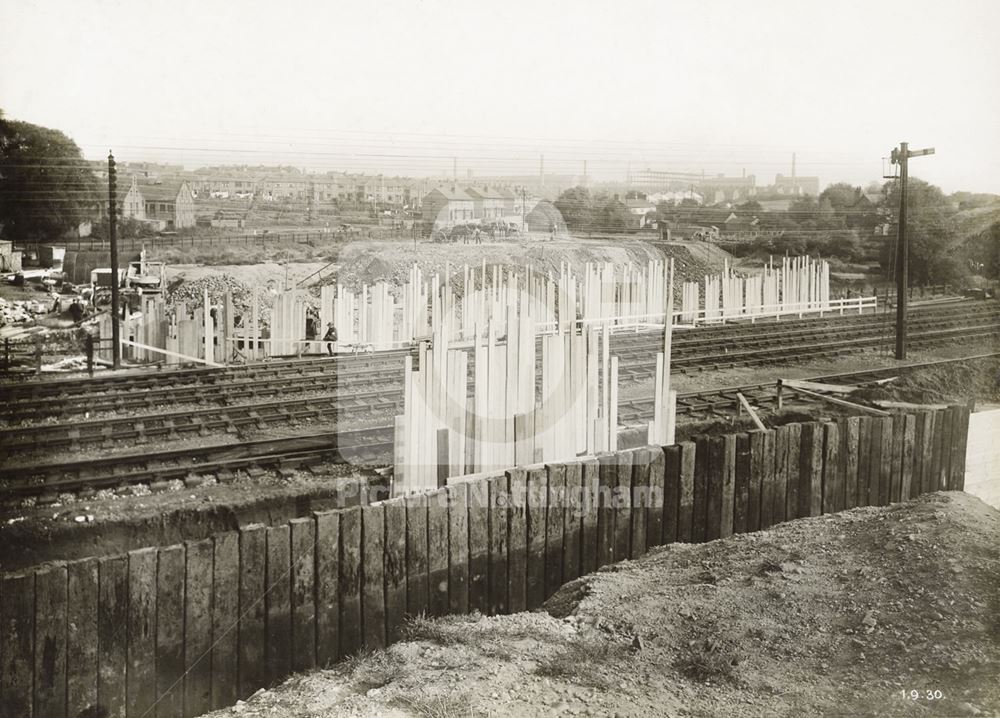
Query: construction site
(531,360)
(248,495)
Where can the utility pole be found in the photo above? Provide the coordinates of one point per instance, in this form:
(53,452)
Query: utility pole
(116,347)
(901,157)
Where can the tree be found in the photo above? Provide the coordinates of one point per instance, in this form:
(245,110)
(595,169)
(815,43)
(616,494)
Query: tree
(46,187)
(575,205)
(983,252)
(932,255)
(611,215)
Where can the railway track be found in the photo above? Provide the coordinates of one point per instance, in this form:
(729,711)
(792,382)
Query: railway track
(625,344)
(361,447)
(381,396)
(711,348)
(718,403)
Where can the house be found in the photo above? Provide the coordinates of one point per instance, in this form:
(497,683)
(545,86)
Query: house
(448,206)
(638,209)
(170,205)
(735,227)
(130,204)
(488,204)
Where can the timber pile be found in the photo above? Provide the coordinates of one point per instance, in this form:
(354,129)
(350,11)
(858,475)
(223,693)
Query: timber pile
(444,433)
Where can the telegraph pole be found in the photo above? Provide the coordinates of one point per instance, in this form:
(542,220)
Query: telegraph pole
(116,347)
(901,157)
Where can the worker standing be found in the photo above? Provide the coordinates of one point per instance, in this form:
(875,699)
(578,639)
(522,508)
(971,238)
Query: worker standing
(330,337)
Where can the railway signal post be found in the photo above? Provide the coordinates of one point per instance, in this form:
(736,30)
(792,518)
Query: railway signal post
(901,157)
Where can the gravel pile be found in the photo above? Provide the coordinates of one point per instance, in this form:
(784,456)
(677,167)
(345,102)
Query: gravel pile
(192,293)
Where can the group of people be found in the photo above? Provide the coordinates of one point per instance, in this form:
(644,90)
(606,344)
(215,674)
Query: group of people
(330,337)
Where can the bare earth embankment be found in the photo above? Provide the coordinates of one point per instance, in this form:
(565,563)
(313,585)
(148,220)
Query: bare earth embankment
(835,616)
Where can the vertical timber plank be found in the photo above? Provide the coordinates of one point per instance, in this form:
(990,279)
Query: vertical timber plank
(671,493)
(768,482)
(111,634)
(198,627)
(279,603)
(252,628)
(811,470)
(141,677)
(639,496)
(685,496)
(728,484)
(303,589)
(572,520)
(906,470)
(741,491)
(81,637)
(833,484)
(605,510)
(849,445)
(896,476)
(170,571)
(714,490)
(780,471)
(327,587)
(537,498)
(225,618)
(919,440)
(656,502)
(959,443)
(555,481)
(417,596)
(589,491)
(942,429)
(885,460)
(50,639)
(623,504)
(517,541)
(17,613)
(866,436)
(394,568)
(702,470)
(755,482)
(792,471)
(458,548)
(479,545)
(350,581)
(437,552)
(372,575)
(499,503)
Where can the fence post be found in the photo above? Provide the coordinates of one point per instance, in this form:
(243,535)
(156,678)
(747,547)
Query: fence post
(89,343)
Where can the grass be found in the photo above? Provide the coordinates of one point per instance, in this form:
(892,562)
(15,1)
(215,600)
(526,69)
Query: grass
(709,660)
(581,661)
(374,669)
(448,705)
(446,631)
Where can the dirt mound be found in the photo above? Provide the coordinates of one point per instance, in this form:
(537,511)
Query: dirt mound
(370,262)
(834,615)
(973,380)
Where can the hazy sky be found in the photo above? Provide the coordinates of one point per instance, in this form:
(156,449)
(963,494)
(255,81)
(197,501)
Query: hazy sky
(403,86)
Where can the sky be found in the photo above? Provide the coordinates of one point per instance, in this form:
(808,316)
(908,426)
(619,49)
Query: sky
(405,86)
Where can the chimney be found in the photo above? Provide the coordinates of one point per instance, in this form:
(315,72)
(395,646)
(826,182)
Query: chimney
(793,166)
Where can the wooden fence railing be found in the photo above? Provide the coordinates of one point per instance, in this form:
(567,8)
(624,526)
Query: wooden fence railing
(180,630)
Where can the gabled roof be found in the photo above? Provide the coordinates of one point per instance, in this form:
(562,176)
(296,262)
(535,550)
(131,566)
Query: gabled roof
(451,194)
(483,193)
(167,191)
